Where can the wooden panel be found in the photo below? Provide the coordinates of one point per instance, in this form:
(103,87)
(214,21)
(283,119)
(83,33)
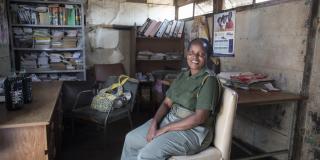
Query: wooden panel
(160,44)
(45,96)
(24,143)
(149,66)
(254,97)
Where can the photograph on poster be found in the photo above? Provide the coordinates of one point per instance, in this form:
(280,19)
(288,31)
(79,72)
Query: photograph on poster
(224,33)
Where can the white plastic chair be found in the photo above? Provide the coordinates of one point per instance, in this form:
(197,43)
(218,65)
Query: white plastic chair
(223,131)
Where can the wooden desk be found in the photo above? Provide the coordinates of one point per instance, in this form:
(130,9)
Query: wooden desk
(32,132)
(259,98)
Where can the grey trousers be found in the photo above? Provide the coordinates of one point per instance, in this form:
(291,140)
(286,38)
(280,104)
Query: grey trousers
(164,146)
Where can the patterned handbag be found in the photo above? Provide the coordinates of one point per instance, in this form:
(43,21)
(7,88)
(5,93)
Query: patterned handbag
(104,100)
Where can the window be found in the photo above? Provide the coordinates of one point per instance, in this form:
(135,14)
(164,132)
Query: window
(185,11)
(203,8)
(228,4)
(260,1)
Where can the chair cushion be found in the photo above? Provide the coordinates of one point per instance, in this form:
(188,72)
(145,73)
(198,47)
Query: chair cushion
(210,153)
(86,113)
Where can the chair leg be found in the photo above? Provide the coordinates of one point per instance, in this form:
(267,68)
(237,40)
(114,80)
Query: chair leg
(130,120)
(72,127)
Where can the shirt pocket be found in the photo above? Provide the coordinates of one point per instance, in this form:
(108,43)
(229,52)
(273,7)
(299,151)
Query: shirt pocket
(188,97)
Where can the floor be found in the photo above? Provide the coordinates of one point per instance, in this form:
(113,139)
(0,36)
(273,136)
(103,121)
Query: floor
(87,143)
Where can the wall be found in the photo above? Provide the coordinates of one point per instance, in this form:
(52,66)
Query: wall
(106,46)
(4,41)
(271,40)
(311,138)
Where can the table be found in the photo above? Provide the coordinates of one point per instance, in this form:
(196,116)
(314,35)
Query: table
(33,131)
(257,98)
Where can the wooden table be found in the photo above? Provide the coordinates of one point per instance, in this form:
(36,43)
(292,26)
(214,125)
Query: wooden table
(258,98)
(31,132)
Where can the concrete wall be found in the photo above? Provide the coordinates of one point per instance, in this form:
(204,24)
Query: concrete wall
(269,40)
(311,138)
(4,41)
(105,46)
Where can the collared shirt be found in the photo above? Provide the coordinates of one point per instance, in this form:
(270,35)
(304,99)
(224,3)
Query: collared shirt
(188,92)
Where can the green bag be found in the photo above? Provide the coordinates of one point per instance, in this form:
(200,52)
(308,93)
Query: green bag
(104,100)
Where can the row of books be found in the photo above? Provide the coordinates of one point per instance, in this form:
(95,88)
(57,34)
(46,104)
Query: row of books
(44,38)
(167,29)
(53,77)
(53,14)
(52,61)
(147,55)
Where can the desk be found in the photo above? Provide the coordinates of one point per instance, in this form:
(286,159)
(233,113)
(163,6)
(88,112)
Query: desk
(32,133)
(258,98)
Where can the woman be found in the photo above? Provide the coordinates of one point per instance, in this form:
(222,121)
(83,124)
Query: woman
(183,122)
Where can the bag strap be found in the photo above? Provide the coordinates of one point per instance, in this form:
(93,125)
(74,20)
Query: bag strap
(217,108)
(121,81)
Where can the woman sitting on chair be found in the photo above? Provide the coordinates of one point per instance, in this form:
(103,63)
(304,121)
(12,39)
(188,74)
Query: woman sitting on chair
(183,124)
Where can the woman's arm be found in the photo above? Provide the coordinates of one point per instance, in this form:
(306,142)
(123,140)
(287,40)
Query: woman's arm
(162,111)
(195,119)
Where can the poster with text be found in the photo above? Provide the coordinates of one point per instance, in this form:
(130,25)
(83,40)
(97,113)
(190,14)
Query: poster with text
(224,33)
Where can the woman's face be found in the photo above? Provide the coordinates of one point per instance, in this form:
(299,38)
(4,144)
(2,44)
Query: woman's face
(196,57)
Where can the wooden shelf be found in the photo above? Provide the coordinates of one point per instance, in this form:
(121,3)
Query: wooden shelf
(45,26)
(48,49)
(52,71)
(43,2)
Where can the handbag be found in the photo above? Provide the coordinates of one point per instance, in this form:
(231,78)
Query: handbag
(106,97)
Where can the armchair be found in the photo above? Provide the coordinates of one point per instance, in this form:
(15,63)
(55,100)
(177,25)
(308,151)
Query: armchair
(223,131)
(102,119)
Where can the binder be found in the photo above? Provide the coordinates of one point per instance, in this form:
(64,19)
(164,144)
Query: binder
(174,23)
(162,28)
(181,29)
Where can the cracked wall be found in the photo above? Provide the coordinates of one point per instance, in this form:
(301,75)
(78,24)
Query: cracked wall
(105,46)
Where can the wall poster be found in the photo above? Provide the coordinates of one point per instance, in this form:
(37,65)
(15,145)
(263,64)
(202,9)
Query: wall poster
(224,33)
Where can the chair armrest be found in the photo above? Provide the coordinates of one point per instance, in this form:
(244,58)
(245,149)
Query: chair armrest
(82,93)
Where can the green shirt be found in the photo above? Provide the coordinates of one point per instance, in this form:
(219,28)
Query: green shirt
(188,92)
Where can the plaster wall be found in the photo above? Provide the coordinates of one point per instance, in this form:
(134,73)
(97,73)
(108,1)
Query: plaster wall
(105,46)
(4,42)
(271,40)
(311,138)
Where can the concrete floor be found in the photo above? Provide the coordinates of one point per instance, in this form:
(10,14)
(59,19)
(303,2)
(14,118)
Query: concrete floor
(87,142)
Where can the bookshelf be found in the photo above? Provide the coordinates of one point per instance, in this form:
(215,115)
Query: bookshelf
(158,45)
(47,39)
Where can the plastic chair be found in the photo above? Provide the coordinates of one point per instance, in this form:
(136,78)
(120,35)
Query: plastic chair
(223,131)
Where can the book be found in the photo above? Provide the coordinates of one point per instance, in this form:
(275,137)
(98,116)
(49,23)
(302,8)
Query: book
(174,23)
(162,28)
(176,30)
(167,32)
(142,28)
(181,27)
(155,29)
(71,15)
(150,28)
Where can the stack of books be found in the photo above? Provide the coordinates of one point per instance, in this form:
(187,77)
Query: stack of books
(42,38)
(23,37)
(57,36)
(167,29)
(247,80)
(70,40)
(29,61)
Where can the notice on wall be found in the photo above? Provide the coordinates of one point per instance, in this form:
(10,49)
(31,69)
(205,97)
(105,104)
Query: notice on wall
(224,33)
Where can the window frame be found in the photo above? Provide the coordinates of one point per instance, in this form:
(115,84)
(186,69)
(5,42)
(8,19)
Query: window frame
(218,5)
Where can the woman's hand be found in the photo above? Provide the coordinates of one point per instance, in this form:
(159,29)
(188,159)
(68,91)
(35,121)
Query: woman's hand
(152,131)
(161,131)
